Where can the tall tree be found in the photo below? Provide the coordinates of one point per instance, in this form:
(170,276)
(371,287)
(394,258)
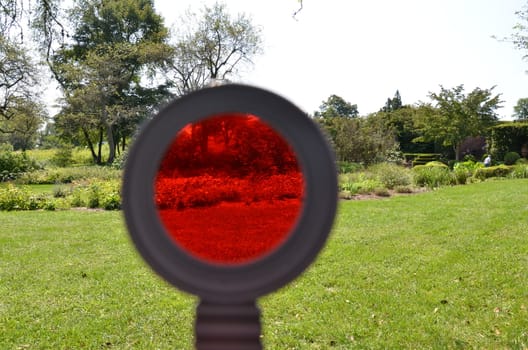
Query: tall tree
(336,106)
(20,107)
(402,123)
(520,110)
(213,44)
(28,116)
(18,75)
(519,38)
(455,116)
(393,104)
(116,46)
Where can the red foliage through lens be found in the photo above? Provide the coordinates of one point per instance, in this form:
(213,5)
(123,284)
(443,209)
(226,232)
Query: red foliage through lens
(229,189)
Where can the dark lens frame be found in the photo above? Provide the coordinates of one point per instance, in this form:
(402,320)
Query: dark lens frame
(219,282)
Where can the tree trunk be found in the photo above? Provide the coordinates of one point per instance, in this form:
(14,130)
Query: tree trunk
(457,151)
(99,151)
(123,143)
(90,145)
(111,144)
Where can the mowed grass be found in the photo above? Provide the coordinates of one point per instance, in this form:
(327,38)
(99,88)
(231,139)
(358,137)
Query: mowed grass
(440,270)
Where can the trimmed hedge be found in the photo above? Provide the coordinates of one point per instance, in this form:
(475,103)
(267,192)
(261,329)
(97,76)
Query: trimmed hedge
(492,171)
(421,158)
(509,136)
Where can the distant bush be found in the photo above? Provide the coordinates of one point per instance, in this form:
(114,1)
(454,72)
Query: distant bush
(436,163)
(519,171)
(493,171)
(403,189)
(63,157)
(68,175)
(391,175)
(344,167)
(14,164)
(61,191)
(464,170)
(470,158)
(77,198)
(433,176)
(207,190)
(381,192)
(15,198)
(366,186)
(511,157)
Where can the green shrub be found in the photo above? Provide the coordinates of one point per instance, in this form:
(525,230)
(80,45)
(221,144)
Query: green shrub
(433,176)
(345,167)
(14,164)
(110,195)
(464,170)
(69,175)
(63,157)
(437,164)
(403,189)
(93,195)
(77,197)
(105,195)
(61,191)
(470,158)
(391,175)
(381,192)
(367,186)
(493,171)
(511,157)
(520,171)
(16,198)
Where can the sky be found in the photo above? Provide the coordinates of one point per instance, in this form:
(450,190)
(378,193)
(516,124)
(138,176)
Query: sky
(365,50)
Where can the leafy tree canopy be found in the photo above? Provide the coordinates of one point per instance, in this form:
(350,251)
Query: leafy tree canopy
(520,110)
(213,44)
(336,106)
(393,104)
(454,115)
(115,46)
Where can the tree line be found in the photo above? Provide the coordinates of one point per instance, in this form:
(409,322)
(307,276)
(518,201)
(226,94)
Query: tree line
(116,61)
(439,126)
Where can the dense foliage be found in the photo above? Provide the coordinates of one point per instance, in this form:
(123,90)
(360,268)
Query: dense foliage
(506,137)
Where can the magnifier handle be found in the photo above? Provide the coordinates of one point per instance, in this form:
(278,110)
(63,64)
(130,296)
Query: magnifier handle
(228,326)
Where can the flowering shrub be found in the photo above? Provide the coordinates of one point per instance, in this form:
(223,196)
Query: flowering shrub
(15,198)
(464,170)
(206,190)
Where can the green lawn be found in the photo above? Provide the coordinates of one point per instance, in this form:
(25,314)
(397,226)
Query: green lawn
(443,269)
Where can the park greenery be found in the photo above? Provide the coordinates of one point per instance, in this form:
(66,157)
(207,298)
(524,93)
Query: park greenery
(116,62)
(67,283)
(436,270)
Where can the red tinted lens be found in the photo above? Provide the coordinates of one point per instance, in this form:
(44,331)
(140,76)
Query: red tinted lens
(229,189)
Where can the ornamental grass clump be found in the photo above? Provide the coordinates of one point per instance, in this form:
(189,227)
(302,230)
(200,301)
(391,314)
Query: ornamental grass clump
(433,176)
(391,175)
(519,171)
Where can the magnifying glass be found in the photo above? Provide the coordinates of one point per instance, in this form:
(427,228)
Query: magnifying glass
(229,193)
